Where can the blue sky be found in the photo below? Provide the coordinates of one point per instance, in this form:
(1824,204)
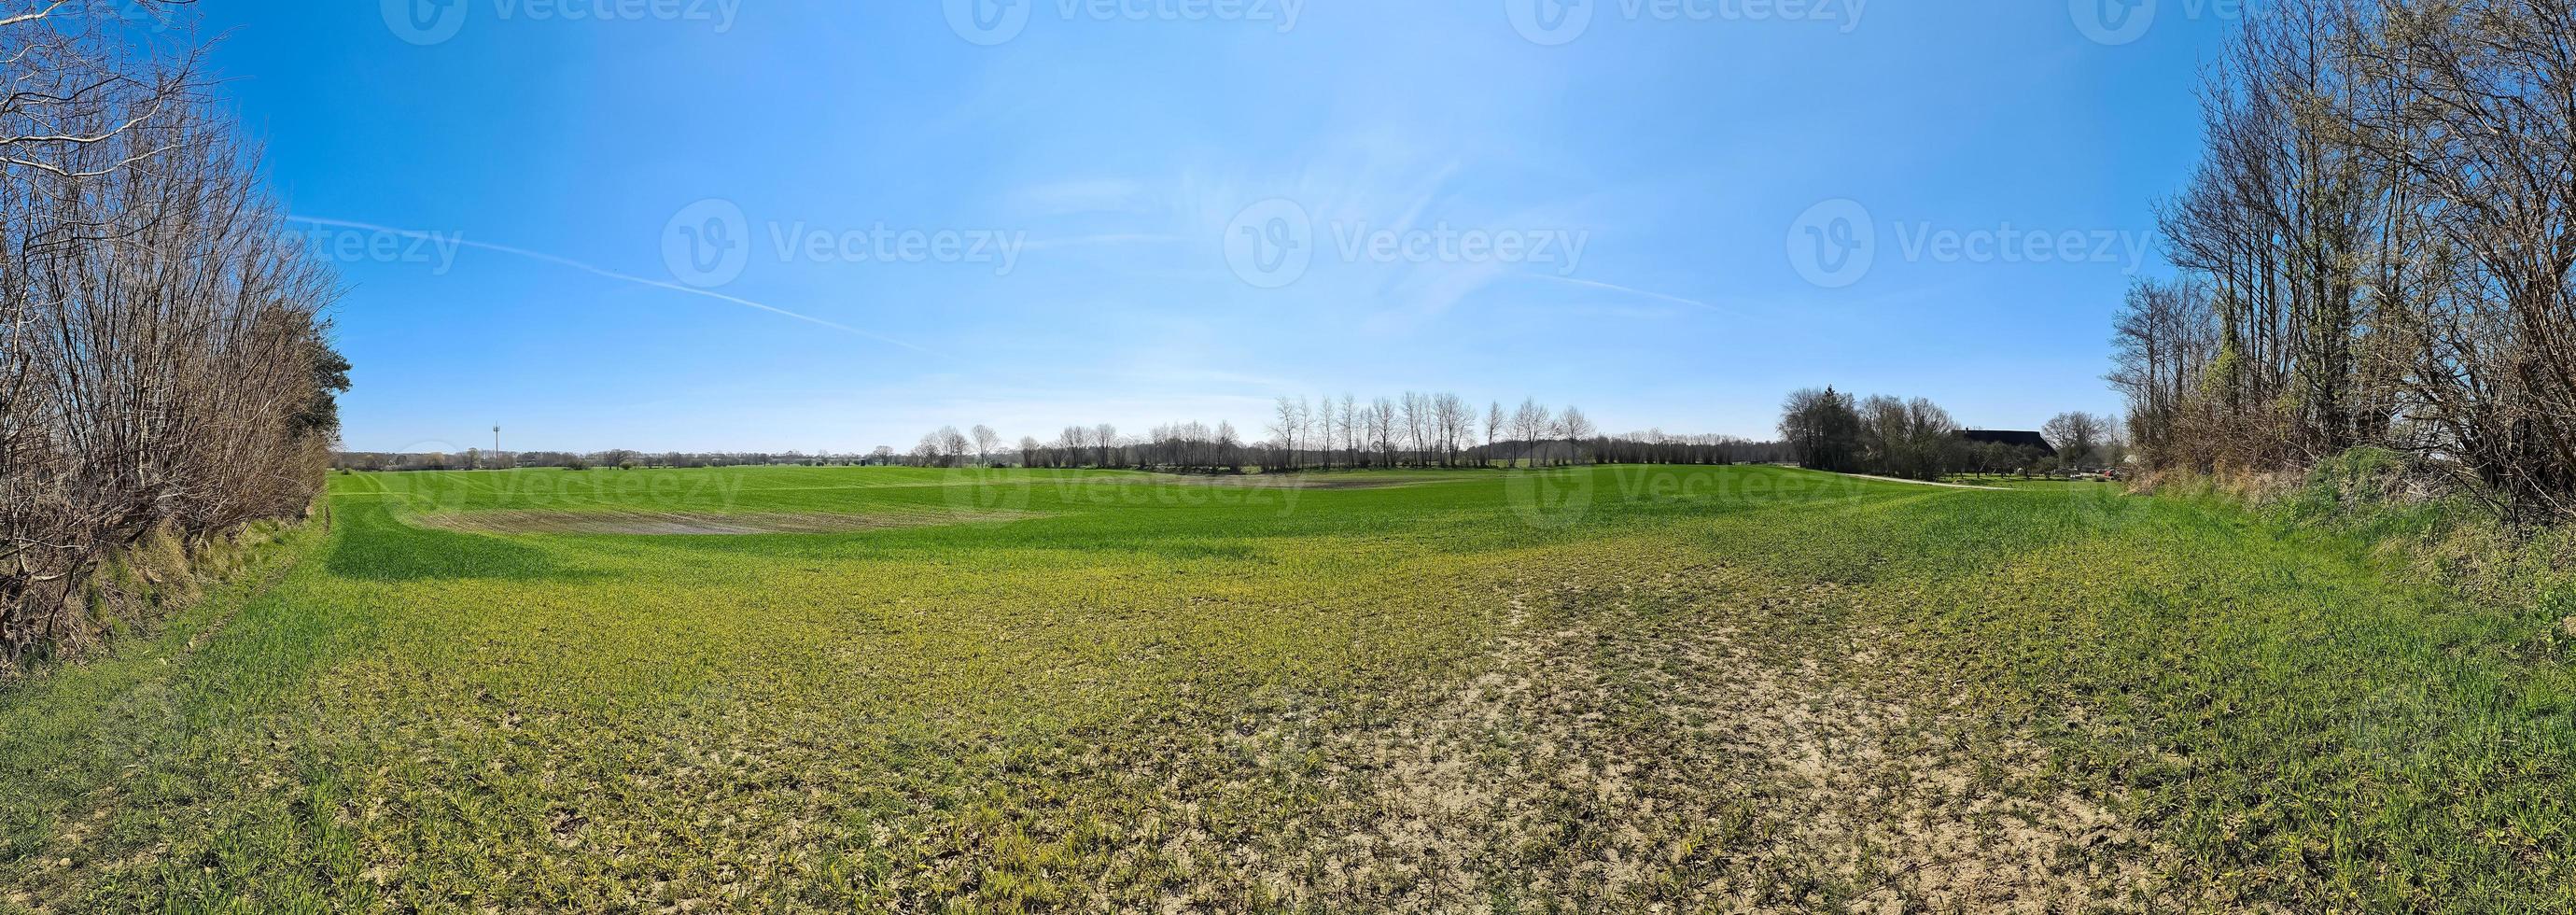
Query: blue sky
(724,225)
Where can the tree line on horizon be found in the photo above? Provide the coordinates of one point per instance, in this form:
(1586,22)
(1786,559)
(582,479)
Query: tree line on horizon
(609,458)
(1822,430)
(166,376)
(2374,252)
(1412,430)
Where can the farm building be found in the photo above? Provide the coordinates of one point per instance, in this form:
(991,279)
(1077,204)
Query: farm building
(2011,438)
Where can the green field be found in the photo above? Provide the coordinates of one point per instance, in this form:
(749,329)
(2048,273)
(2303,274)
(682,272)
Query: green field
(1699,689)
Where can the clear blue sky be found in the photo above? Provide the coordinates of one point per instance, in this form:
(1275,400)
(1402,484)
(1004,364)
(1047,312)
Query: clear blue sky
(1050,212)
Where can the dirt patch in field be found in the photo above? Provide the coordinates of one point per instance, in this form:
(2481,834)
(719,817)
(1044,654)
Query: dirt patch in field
(1362,484)
(1670,746)
(535,521)
(1937,483)
(1285,481)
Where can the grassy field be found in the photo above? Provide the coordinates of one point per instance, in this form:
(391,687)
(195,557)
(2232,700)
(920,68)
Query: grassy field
(1634,688)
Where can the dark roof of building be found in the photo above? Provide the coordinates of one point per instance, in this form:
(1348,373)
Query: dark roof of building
(2016,439)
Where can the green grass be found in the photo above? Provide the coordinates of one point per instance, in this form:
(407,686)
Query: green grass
(1702,688)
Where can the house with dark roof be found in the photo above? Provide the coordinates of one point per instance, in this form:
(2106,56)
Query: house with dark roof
(2011,438)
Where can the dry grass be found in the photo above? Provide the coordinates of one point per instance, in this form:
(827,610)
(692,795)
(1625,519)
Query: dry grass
(1672,742)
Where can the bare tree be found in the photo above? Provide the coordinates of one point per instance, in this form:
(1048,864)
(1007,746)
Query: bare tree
(1105,437)
(986,441)
(1229,446)
(1382,414)
(1288,423)
(1453,423)
(1323,431)
(1576,427)
(2077,436)
(86,97)
(944,447)
(2164,344)
(1348,424)
(1528,424)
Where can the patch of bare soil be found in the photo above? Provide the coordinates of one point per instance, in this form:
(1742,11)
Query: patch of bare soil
(649,523)
(1305,481)
(1359,484)
(1676,746)
(1927,483)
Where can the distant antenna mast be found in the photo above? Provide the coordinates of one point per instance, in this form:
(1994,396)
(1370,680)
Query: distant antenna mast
(496,445)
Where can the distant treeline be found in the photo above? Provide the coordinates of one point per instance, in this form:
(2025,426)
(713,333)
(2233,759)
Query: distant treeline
(1917,439)
(1824,430)
(2375,251)
(165,371)
(479,459)
(1414,430)
(1183,447)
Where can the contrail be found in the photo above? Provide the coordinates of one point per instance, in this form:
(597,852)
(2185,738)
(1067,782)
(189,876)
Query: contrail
(611,274)
(1634,291)
(1045,243)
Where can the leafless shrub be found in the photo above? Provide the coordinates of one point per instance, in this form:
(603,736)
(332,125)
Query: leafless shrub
(163,357)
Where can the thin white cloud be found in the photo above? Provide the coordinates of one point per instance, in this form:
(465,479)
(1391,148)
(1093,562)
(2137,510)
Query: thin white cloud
(1104,195)
(1629,290)
(610,274)
(1428,196)
(1115,239)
